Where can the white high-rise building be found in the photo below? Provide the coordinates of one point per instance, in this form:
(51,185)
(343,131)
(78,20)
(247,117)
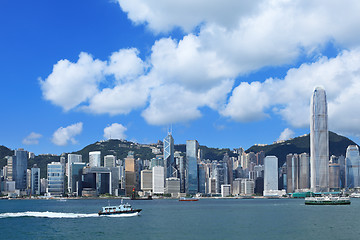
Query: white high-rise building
(109,161)
(94,159)
(271,176)
(319,142)
(72,158)
(352,162)
(158,179)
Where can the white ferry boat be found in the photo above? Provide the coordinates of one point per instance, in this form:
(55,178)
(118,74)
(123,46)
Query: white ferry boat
(327,200)
(121,209)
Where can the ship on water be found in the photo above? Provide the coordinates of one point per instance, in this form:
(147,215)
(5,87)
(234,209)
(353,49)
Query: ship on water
(123,208)
(188,199)
(327,200)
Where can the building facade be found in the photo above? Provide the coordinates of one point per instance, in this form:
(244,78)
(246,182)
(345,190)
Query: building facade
(352,162)
(319,142)
(55,179)
(95,159)
(169,161)
(192,181)
(271,176)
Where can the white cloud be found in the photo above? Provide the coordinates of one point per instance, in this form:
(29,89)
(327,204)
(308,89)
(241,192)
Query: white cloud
(70,84)
(125,64)
(286,134)
(174,103)
(231,40)
(115,131)
(290,97)
(64,135)
(32,139)
(163,15)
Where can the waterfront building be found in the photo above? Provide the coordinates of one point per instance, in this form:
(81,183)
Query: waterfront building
(55,179)
(172,186)
(352,162)
(158,180)
(109,161)
(72,158)
(35,180)
(236,190)
(319,142)
(146,180)
(247,186)
(225,190)
(95,159)
(304,174)
(76,176)
(341,161)
(271,176)
(28,180)
(191,181)
(99,180)
(202,177)
(131,181)
(212,186)
(334,174)
(292,164)
(19,168)
(43,185)
(169,161)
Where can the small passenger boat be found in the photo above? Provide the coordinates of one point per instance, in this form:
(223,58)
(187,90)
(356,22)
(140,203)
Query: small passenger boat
(121,209)
(188,199)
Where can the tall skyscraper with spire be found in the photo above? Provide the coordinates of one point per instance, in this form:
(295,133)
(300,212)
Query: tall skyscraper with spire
(319,142)
(169,162)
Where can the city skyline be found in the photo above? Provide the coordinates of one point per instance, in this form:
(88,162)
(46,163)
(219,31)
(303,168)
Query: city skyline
(229,75)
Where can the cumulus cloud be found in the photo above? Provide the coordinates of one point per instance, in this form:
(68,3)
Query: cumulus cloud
(64,135)
(174,103)
(180,77)
(32,139)
(286,134)
(115,131)
(162,16)
(70,84)
(290,97)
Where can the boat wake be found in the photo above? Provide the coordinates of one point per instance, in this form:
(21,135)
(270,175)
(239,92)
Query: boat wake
(59,215)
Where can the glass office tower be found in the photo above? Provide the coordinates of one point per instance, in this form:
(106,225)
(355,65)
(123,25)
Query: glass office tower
(192,178)
(319,142)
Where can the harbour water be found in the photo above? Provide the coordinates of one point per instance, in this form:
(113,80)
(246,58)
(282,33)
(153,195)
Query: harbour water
(171,219)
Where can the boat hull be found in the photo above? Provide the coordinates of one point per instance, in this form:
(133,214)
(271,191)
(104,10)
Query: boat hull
(120,212)
(189,200)
(327,203)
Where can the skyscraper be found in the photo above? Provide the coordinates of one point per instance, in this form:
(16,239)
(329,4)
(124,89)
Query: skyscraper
(304,167)
(271,176)
(191,181)
(55,179)
(35,180)
(19,165)
(95,159)
(319,142)
(169,162)
(352,162)
(109,161)
(72,158)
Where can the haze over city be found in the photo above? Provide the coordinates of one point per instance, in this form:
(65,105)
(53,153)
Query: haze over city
(232,75)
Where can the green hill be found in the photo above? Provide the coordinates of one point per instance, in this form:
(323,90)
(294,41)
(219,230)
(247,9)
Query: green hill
(337,146)
(118,148)
(4,151)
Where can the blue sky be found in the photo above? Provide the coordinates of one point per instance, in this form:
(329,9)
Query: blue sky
(229,75)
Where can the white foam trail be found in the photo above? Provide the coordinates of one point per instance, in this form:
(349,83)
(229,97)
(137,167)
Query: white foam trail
(59,215)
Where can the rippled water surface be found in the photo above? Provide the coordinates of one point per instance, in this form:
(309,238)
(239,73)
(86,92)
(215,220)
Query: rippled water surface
(171,219)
